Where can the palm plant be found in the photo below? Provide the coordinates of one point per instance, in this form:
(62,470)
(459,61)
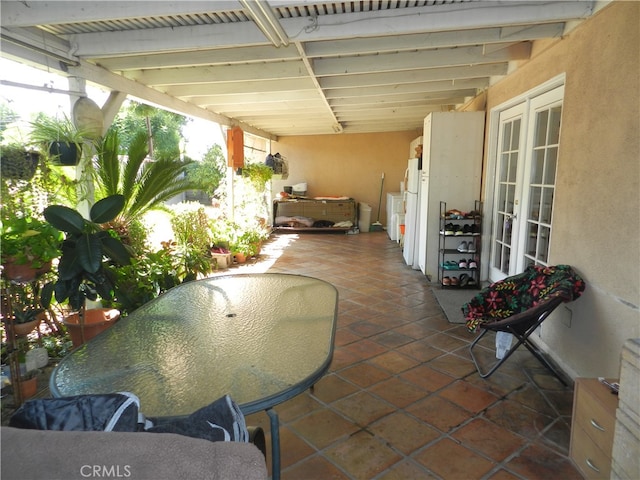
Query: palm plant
(144,184)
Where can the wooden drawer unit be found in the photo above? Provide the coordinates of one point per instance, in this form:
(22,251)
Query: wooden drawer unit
(592,427)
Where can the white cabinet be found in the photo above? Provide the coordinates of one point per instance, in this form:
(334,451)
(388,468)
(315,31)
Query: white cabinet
(451,172)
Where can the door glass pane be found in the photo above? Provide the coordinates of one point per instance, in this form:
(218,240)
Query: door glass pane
(511,193)
(513,166)
(554,125)
(504,167)
(537,167)
(541,129)
(550,167)
(534,203)
(506,138)
(546,205)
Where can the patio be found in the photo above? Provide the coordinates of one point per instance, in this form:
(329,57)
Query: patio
(402,399)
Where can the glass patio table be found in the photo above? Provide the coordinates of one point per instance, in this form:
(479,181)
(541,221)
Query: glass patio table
(260,338)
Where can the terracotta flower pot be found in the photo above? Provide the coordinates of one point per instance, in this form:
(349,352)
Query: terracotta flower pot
(24,329)
(240,257)
(95,321)
(23,273)
(28,388)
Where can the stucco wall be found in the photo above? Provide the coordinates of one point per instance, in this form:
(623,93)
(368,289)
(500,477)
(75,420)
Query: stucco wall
(596,223)
(347,165)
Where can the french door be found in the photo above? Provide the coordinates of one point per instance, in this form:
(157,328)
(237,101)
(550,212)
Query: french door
(526,159)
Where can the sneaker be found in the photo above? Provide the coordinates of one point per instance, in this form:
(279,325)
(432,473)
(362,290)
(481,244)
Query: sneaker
(459,230)
(463,247)
(471,247)
(446,281)
(462,263)
(448,229)
(471,264)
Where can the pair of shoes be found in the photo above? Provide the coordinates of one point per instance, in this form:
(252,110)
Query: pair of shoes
(449,229)
(470,229)
(464,247)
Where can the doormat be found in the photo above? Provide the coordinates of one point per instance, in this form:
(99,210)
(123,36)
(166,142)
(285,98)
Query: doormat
(451,302)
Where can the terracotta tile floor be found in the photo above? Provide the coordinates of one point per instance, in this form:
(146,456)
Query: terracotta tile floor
(402,398)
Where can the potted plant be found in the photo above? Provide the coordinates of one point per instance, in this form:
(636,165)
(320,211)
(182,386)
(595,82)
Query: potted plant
(25,318)
(28,384)
(258,175)
(61,138)
(86,251)
(18,163)
(28,247)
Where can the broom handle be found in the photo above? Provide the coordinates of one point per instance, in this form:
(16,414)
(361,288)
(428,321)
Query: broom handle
(380,199)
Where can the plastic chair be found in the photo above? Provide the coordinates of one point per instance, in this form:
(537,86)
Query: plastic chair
(518,305)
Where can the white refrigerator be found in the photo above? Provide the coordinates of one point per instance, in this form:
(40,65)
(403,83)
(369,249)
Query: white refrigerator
(451,172)
(411,197)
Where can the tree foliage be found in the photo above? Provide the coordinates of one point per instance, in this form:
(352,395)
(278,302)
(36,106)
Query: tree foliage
(209,172)
(165,128)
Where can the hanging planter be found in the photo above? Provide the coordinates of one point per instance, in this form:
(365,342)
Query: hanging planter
(18,163)
(65,154)
(61,137)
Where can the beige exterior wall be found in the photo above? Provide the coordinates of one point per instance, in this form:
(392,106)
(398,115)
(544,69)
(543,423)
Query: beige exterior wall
(596,223)
(347,165)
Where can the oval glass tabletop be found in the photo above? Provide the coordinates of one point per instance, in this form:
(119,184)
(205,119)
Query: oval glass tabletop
(261,338)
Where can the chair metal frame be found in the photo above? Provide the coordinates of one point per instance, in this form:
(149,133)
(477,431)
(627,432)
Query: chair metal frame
(521,326)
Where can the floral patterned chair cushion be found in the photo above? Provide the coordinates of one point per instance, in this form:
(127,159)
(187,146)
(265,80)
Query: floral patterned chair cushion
(521,292)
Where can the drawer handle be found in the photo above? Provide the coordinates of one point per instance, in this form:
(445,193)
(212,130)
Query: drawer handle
(596,425)
(592,466)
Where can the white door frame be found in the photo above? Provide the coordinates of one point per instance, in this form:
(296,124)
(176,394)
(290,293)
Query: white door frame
(489,180)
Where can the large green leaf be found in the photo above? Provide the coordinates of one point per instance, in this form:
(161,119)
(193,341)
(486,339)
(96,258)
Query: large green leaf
(107,209)
(89,252)
(114,249)
(65,219)
(108,164)
(69,266)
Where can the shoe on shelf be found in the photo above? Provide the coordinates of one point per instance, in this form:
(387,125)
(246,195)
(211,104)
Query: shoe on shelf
(471,264)
(475,230)
(458,230)
(446,281)
(462,263)
(448,229)
(464,280)
(463,247)
(454,281)
(471,247)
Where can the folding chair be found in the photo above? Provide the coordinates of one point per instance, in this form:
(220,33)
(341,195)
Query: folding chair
(518,305)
